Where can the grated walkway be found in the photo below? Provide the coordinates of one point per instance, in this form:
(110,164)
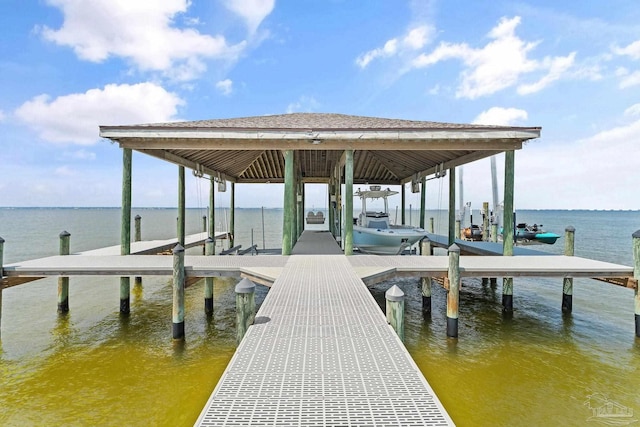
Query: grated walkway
(322,354)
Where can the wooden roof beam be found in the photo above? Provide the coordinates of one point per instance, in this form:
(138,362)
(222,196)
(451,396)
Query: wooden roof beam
(172,158)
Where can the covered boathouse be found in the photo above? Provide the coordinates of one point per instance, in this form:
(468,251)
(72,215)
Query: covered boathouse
(335,149)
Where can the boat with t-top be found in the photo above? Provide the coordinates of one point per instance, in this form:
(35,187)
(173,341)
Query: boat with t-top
(372,231)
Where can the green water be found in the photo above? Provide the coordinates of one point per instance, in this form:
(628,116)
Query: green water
(94,367)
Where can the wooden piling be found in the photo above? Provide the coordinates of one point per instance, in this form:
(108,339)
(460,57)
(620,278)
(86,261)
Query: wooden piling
(178,293)
(125,231)
(458,229)
(452,205)
(432,225)
(507,295)
(494,231)
(402,202)
(63,282)
(137,237)
(245,307)
(508,229)
(287,217)
(567,283)
(485,221)
(232,216)
(395,310)
(212,213)
(636,276)
(453,294)
(181,206)
(348,203)
(425,282)
(423,200)
(209,246)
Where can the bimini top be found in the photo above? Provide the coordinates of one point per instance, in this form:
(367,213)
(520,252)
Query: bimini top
(386,151)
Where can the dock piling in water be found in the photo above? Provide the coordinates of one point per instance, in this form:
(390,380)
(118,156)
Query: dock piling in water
(395,309)
(567,282)
(178,293)
(453,294)
(63,282)
(209,246)
(245,307)
(138,238)
(636,276)
(425,282)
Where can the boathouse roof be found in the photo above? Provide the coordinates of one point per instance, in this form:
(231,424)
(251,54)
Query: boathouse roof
(386,151)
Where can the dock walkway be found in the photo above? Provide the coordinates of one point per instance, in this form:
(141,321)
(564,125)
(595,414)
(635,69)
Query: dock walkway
(321,353)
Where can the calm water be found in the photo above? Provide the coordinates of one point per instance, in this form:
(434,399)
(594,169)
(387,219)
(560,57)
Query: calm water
(93,367)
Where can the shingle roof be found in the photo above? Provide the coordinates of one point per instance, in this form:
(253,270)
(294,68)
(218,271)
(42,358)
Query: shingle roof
(386,151)
(314,121)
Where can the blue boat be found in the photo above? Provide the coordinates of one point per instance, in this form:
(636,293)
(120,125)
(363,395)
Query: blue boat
(372,231)
(534,234)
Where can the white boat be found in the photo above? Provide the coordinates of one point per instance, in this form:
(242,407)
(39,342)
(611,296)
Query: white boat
(372,231)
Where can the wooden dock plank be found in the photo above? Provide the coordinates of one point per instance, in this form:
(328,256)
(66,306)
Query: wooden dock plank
(321,353)
(153,247)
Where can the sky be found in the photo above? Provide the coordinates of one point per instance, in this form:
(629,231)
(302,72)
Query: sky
(68,66)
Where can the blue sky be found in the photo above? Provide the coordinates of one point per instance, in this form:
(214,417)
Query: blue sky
(68,66)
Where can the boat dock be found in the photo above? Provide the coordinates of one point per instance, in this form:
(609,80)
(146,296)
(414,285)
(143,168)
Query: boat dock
(320,350)
(321,353)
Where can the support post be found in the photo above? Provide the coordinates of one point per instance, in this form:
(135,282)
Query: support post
(125,234)
(289,194)
(245,307)
(212,214)
(494,231)
(181,206)
(395,309)
(452,205)
(137,237)
(423,200)
(431,225)
(209,246)
(453,294)
(232,216)
(425,282)
(485,221)
(403,201)
(348,203)
(458,229)
(63,282)
(330,216)
(508,227)
(178,293)
(300,208)
(636,276)
(567,282)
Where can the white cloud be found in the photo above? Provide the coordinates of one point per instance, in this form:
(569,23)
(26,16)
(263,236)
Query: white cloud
(304,104)
(252,11)
(225,86)
(75,118)
(628,80)
(557,67)
(141,31)
(500,116)
(632,111)
(2,116)
(415,38)
(632,50)
(499,64)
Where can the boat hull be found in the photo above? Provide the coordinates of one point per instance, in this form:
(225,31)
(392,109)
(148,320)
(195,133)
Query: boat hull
(385,241)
